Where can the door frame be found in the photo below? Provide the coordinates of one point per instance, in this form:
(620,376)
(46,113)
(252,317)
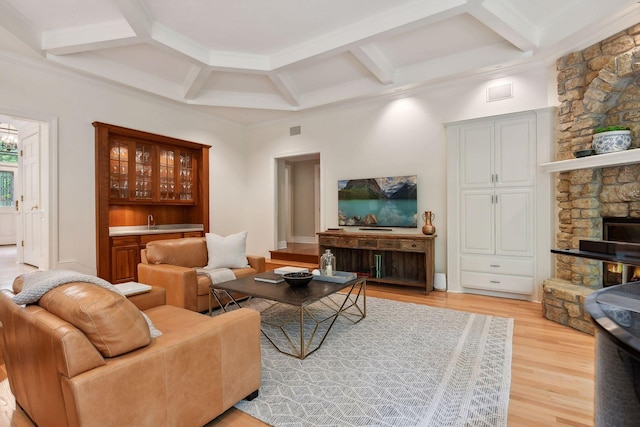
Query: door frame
(280,168)
(48,180)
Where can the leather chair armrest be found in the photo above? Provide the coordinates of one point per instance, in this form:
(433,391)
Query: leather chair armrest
(146,300)
(257,262)
(180,283)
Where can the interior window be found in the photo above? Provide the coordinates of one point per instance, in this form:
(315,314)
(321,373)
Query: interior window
(6,188)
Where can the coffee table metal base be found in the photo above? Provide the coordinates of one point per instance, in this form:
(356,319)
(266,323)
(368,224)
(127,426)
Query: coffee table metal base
(352,307)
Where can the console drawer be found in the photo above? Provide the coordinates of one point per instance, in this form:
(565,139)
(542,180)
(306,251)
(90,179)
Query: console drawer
(368,243)
(516,267)
(327,241)
(346,242)
(388,244)
(413,245)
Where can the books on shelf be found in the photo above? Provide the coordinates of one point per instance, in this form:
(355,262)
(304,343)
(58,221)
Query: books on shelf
(269,277)
(290,269)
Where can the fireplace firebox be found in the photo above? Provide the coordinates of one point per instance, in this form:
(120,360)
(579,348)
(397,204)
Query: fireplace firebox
(620,230)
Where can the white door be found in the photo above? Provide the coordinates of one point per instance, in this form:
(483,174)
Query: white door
(515,152)
(514,222)
(30,206)
(8,213)
(476,156)
(477,222)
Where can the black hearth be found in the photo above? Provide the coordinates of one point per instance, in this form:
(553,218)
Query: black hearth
(620,230)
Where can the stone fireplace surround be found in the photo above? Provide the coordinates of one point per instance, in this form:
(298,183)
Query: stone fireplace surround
(599,86)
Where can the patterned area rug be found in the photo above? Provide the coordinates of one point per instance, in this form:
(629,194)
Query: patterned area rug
(403,365)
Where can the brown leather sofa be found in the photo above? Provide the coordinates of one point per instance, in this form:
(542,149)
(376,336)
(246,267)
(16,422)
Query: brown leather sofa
(83,356)
(172,264)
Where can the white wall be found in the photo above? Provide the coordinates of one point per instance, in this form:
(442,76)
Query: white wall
(378,137)
(37,90)
(402,136)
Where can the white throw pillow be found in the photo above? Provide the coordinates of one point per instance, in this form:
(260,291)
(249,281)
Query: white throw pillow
(227,252)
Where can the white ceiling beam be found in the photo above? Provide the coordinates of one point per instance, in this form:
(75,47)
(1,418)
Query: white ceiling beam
(218,60)
(194,82)
(258,101)
(89,37)
(397,19)
(126,76)
(287,88)
(375,61)
(137,16)
(458,64)
(501,17)
(120,74)
(16,24)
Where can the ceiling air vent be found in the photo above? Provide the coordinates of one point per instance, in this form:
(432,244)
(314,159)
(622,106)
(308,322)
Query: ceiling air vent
(497,93)
(295,130)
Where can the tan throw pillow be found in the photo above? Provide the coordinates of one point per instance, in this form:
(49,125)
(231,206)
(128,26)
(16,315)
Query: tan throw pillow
(227,252)
(113,324)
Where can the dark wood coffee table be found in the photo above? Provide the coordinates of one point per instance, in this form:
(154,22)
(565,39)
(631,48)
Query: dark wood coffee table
(354,299)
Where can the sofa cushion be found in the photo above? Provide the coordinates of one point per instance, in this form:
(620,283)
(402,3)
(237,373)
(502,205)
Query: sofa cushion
(113,324)
(185,252)
(227,252)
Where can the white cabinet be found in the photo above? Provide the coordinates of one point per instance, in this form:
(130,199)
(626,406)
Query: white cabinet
(498,154)
(492,176)
(497,222)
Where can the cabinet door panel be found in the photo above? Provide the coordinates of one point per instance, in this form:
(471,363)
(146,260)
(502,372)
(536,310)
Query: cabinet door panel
(476,156)
(514,222)
(515,152)
(477,222)
(124,263)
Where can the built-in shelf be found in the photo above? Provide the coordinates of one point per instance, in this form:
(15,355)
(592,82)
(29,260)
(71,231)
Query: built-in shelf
(619,158)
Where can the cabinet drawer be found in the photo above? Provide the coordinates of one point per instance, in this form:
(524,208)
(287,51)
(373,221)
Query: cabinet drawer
(193,234)
(497,282)
(388,244)
(327,241)
(346,242)
(413,245)
(494,265)
(151,237)
(368,243)
(124,241)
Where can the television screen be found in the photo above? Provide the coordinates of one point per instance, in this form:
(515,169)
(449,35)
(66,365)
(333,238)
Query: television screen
(378,202)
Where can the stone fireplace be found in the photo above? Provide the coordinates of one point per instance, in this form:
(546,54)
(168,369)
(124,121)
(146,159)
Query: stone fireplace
(599,86)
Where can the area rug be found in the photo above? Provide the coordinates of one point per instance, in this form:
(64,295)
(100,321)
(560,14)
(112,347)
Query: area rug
(403,365)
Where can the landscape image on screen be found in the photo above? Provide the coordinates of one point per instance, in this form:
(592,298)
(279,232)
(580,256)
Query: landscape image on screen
(378,202)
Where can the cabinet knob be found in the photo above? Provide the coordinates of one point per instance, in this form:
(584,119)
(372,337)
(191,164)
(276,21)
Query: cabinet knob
(495,265)
(494,281)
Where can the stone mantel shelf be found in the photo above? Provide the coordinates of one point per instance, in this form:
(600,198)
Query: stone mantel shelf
(617,258)
(619,158)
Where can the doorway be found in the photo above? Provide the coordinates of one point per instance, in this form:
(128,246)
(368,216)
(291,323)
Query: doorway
(26,216)
(298,196)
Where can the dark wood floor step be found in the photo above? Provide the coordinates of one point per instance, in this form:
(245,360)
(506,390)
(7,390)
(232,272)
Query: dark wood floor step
(290,256)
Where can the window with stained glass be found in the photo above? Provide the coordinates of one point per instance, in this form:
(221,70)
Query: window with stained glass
(6,188)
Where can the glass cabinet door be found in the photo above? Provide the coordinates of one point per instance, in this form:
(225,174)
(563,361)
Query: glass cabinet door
(186,176)
(119,169)
(144,172)
(167,174)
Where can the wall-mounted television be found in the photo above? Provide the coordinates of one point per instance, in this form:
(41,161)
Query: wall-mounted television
(378,202)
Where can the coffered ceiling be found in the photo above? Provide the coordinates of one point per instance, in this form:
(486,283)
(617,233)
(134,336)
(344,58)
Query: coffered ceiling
(255,60)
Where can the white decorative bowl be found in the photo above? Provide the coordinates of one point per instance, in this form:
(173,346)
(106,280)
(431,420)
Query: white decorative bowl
(612,141)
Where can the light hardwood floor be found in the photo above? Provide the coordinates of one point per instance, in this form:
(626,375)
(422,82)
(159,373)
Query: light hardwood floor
(552,368)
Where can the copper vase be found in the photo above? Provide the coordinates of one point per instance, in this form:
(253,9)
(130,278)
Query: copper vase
(428,228)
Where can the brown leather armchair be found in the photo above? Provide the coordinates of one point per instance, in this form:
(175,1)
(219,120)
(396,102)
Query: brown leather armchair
(82,356)
(171,264)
